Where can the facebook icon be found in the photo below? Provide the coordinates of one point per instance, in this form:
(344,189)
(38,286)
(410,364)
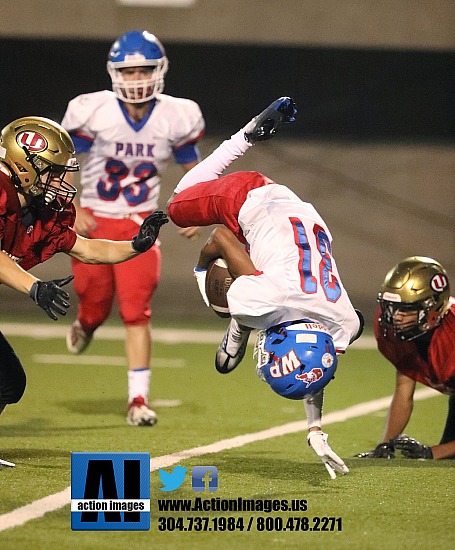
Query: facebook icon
(205,478)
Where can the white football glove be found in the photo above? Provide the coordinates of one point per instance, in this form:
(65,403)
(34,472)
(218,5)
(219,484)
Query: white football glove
(317,440)
(200,275)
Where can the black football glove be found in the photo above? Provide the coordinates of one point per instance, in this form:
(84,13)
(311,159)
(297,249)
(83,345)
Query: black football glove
(265,125)
(411,448)
(49,296)
(149,230)
(383,450)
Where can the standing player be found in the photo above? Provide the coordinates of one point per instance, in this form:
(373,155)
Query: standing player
(36,220)
(415,331)
(287,286)
(128,134)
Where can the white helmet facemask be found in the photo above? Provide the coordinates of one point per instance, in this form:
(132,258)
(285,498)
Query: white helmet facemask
(138,91)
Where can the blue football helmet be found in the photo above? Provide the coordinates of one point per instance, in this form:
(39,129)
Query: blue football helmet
(137,49)
(296,358)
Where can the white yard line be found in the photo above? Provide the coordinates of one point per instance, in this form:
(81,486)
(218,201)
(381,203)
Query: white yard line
(163,335)
(54,502)
(111,360)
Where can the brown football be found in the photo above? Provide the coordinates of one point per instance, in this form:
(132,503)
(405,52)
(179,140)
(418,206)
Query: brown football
(217,283)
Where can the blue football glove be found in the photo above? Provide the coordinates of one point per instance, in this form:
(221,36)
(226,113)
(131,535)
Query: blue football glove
(265,125)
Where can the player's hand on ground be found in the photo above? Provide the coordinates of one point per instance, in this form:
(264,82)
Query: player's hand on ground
(201,275)
(317,440)
(411,448)
(265,125)
(382,450)
(85,223)
(149,230)
(190,233)
(49,296)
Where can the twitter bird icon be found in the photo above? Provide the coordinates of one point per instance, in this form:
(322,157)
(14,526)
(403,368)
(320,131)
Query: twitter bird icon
(173,480)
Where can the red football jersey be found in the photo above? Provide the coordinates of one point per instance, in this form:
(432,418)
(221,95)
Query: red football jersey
(438,370)
(32,240)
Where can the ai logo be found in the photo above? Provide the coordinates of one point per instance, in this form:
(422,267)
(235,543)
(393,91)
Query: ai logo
(110,491)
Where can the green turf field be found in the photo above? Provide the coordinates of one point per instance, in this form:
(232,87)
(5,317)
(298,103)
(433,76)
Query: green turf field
(69,407)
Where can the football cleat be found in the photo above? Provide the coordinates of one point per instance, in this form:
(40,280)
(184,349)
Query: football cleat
(140,414)
(232,349)
(265,125)
(77,340)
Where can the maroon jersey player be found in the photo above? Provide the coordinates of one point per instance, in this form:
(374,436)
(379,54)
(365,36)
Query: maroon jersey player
(36,219)
(415,331)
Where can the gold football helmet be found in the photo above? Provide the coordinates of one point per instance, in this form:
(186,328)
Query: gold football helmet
(414,297)
(39,153)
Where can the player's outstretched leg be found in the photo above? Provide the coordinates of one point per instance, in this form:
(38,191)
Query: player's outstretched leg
(265,125)
(232,349)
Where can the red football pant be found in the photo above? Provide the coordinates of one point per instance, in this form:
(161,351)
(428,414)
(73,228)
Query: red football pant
(216,201)
(132,283)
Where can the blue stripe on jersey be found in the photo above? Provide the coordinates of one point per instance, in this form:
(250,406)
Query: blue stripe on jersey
(186,153)
(136,126)
(82,144)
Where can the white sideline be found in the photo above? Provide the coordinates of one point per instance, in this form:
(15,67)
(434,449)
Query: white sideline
(54,502)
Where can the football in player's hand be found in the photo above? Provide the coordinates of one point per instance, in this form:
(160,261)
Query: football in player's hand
(217,283)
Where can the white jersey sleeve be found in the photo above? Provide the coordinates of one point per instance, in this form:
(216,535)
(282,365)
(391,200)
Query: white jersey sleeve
(79,111)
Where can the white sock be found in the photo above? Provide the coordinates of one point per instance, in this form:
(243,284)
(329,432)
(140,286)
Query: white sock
(313,409)
(138,384)
(236,337)
(213,166)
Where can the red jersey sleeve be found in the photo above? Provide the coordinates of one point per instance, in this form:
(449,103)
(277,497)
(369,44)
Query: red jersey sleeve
(437,370)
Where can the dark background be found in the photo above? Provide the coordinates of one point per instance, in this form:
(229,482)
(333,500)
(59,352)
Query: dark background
(372,147)
(358,94)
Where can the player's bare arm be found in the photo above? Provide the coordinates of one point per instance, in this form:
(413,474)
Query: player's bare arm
(223,244)
(85,222)
(401,406)
(104,251)
(444,450)
(12,275)
(46,294)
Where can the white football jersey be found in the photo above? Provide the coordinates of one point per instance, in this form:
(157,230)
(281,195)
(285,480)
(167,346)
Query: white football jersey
(291,247)
(121,174)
